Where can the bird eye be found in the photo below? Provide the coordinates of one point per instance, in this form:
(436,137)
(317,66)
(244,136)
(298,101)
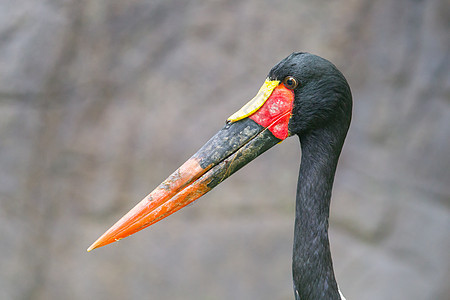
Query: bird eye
(290,82)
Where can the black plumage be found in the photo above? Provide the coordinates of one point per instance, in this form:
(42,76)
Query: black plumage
(321,118)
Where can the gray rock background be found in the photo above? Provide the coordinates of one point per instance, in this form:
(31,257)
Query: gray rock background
(101,100)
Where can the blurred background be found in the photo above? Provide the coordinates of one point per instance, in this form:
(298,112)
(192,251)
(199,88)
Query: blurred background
(101,100)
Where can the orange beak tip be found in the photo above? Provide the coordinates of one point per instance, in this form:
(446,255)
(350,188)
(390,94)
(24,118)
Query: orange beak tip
(92,247)
(95,245)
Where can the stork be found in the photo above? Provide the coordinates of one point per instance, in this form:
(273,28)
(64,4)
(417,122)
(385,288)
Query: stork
(303,95)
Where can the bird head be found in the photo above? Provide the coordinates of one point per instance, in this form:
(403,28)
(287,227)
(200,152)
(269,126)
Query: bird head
(322,95)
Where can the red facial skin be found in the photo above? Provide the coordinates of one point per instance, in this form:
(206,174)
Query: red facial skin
(276,111)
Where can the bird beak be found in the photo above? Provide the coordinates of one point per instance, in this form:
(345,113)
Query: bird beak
(256,127)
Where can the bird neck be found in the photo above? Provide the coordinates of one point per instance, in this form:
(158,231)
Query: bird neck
(312,265)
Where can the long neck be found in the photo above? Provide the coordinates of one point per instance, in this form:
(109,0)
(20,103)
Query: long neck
(312,266)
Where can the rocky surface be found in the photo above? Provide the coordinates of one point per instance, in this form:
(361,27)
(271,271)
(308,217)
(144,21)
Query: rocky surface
(101,100)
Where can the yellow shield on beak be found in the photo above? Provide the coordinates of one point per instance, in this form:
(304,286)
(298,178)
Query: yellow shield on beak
(253,105)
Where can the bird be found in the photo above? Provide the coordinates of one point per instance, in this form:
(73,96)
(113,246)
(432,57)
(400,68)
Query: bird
(303,95)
